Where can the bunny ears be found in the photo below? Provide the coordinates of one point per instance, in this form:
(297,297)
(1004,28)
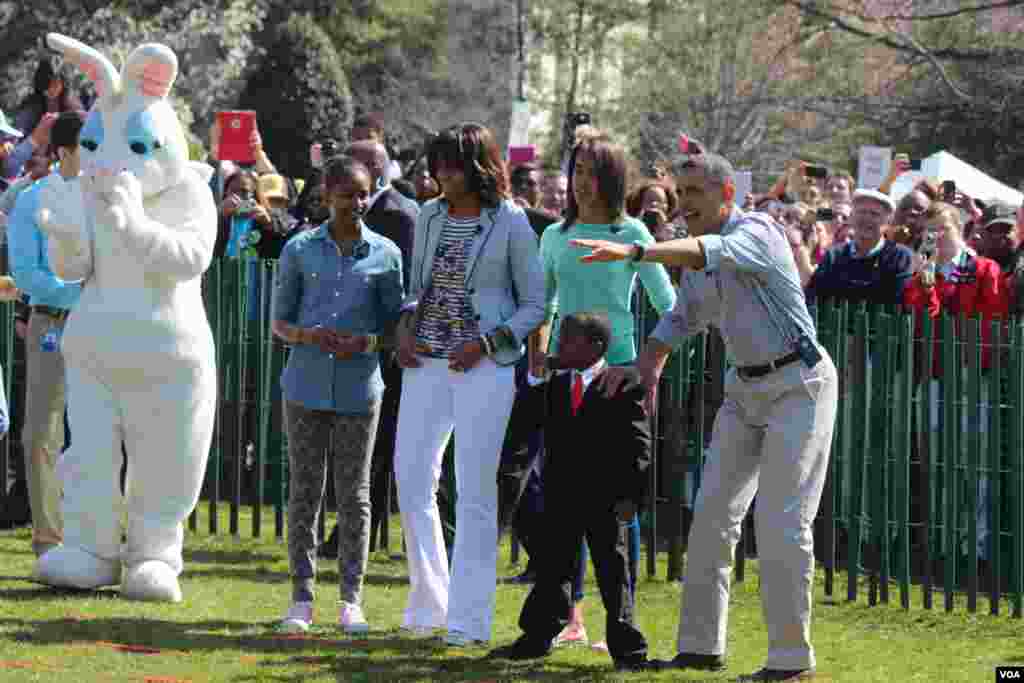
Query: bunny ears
(150,71)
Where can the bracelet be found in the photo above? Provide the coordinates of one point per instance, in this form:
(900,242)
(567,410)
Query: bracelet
(487,344)
(638,252)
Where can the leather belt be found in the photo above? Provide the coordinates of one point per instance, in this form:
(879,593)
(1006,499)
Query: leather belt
(52,312)
(755,371)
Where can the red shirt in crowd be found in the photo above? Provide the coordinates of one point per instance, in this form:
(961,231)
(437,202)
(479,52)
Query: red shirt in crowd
(974,286)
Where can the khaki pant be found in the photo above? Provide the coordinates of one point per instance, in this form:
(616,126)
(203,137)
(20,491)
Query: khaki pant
(771,437)
(43,432)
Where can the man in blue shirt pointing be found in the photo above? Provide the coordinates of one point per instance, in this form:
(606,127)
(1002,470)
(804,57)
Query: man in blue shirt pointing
(51,300)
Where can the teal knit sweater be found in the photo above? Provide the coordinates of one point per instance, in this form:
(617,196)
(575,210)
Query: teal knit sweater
(573,286)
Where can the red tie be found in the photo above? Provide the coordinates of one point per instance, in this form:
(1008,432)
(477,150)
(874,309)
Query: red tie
(577,392)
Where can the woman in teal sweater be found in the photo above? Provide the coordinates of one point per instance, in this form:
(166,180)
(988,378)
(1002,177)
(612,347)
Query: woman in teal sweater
(597,210)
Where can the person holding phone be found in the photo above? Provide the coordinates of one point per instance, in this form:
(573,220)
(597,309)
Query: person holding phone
(951,278)
(654,202)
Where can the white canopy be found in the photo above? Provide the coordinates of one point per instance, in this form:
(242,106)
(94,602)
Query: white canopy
(944,166)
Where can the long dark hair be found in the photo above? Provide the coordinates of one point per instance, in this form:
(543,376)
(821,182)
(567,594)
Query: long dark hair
(36,101)
(471,147)
(610,171)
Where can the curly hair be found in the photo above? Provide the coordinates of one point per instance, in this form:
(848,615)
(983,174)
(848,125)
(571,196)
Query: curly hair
(471,147)
(634,202)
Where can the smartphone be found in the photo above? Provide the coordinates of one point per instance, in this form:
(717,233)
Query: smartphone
(575,119)
(826,213)
(522,154)
(949,190)
(650,219)
(915,164)
(816,171)
(236,128)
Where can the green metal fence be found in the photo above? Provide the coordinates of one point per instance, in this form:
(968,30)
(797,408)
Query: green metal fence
(919,467)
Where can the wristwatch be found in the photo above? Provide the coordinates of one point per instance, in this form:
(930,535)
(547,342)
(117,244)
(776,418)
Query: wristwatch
(639,249)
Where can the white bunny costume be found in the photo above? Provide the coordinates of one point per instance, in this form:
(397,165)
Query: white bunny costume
(140,232)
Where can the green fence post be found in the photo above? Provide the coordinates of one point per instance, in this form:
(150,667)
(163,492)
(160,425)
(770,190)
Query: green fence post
(973,437)
(1016,466)
(222,295)
(842,441)
(859,419)
(883,379)
(926,454)
(995,448)
(903,336)
(951,393)
(825,324)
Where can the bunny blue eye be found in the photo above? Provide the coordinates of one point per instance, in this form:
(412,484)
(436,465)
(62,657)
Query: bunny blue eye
(92,132)
(141,132)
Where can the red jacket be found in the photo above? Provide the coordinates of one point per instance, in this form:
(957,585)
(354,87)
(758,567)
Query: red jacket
(974,287)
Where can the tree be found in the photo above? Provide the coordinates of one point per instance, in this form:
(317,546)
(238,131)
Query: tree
(952,78)
(300,92)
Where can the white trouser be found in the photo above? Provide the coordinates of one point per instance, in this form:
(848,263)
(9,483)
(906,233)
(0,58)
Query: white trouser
(167,430)
(477,405)
(771,437)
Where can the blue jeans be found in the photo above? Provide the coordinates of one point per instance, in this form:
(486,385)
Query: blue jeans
(633,540)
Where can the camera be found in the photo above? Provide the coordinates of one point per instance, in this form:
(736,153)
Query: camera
(650,219)
(949,190)
(575,119)
(816,172)
(928,240)
(246,205)
(826,213)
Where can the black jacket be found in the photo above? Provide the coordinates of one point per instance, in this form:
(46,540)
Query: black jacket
(393,215)
(602,453)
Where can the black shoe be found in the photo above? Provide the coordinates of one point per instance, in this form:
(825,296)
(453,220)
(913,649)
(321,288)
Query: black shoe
(689,660)
(780,675)
(632,664)
(524,648)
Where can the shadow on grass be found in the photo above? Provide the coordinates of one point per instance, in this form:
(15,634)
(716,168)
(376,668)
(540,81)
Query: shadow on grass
(307,656)
(35,591)
(418,660)
(216,556)
(256,575)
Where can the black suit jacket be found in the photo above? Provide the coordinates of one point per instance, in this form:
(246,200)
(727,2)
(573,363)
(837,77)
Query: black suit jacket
(393,215)
(603,451)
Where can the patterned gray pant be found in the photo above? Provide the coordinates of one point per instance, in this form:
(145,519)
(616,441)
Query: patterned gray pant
(310,433)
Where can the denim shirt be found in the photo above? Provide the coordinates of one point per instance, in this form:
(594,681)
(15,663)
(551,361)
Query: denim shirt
(360,294)
(30,266)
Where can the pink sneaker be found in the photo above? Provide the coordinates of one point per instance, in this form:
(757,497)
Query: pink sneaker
(298,619)
(351,619)
(572,635)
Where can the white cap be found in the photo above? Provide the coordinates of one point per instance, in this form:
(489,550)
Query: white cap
(880,197)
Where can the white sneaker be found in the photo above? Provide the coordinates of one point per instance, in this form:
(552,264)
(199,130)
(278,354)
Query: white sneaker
(351,619)
(298,619)
(460,639)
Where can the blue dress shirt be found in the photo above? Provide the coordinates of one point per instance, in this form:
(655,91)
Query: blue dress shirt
(27,253)
(359,294)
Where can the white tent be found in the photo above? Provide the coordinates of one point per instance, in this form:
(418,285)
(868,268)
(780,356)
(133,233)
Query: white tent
(944,166)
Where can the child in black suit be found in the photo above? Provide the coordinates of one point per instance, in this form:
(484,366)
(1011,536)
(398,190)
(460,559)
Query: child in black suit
(594,478)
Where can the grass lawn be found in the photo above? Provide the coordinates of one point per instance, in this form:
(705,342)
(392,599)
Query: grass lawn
(236,589)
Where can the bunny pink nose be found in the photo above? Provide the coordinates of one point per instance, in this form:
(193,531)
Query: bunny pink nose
(99,169)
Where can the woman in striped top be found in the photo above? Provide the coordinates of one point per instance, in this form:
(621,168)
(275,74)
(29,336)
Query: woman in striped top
(476,292)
